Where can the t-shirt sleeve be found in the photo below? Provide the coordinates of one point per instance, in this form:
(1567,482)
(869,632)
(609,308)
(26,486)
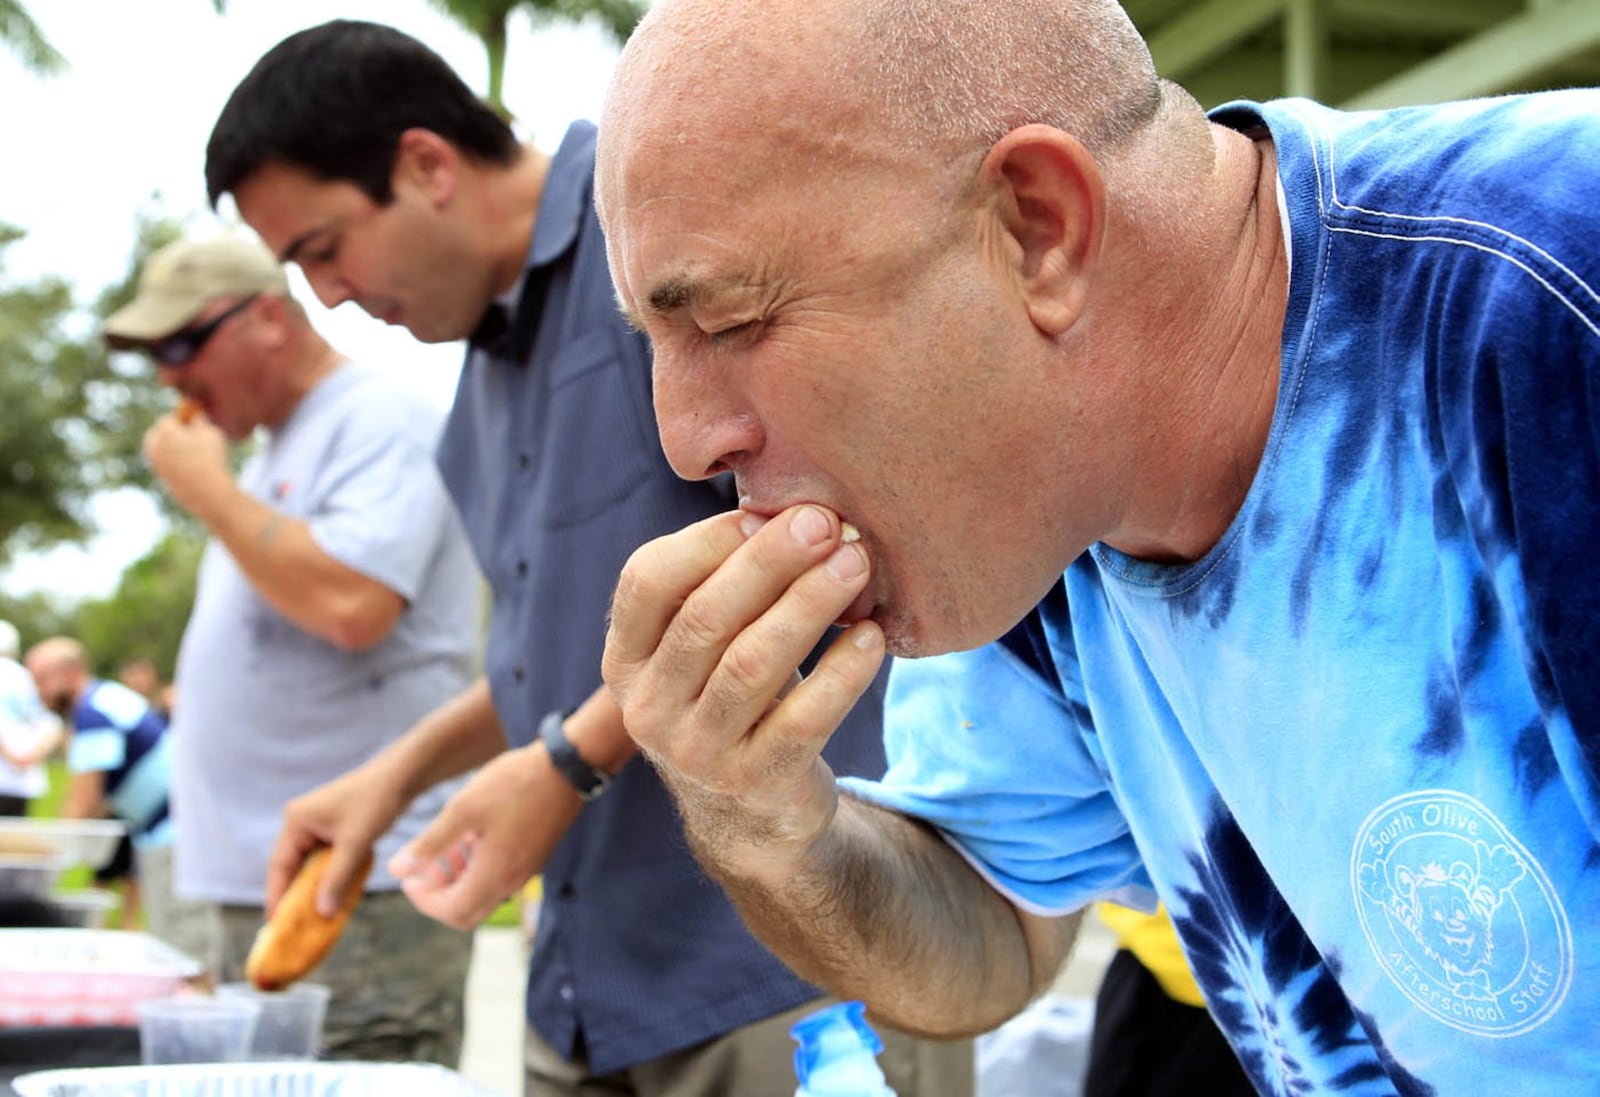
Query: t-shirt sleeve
(987,752)
(381,507)
(96,750)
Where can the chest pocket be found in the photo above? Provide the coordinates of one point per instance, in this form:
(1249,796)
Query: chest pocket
(599,442)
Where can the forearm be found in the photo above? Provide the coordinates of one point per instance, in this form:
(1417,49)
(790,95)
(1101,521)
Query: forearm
(596,730)
(460,735)
(291,572)
(85,796)
(881,909)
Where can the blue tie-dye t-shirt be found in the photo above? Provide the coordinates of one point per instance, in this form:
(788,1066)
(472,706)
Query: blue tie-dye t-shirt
(1355,747)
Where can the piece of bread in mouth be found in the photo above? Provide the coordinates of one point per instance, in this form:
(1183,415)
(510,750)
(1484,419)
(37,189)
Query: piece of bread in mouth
(296,938)
(187,409)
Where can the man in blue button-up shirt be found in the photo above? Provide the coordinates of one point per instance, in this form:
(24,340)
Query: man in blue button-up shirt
(421,206)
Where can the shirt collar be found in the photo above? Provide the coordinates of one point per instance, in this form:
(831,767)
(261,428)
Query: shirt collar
(562,208)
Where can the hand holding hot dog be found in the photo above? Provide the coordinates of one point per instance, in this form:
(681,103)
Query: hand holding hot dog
(189,454)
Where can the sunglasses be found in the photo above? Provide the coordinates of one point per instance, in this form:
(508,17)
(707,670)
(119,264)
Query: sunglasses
(180,347)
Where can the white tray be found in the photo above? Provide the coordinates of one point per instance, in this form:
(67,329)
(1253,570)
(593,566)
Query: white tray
(77,841)
(308,1079)
(70,977)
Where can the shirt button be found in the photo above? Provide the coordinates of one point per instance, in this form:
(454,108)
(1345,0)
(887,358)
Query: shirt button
(568,891)
(523,461)
(519,673)
(522,569)
(566,992)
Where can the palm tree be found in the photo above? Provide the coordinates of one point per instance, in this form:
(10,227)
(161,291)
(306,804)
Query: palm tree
(487,19)
(19,32)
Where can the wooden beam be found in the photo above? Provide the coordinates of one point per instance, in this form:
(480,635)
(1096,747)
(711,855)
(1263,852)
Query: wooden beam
(1495,60)
(1206,31)
(1432,18)
(1305,48)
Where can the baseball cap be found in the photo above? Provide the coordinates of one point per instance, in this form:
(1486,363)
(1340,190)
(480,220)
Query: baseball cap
(181,278)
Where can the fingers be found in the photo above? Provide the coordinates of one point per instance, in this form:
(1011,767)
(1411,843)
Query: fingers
(772,637)
(460,892)
(724,611)
(812,710)
(439,854)
(345,863)
(656,580)
(289,852)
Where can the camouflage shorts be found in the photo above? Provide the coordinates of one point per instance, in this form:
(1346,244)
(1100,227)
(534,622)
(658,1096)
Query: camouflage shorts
(398,980)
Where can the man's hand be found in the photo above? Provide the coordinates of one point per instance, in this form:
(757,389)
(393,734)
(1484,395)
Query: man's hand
(489,840)
(708,626)
(190,457)
(348,813)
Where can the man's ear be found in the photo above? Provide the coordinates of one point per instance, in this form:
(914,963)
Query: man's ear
(1049,206)
(427,163)
(276,319)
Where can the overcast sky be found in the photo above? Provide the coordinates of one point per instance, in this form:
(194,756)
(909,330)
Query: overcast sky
(124,129)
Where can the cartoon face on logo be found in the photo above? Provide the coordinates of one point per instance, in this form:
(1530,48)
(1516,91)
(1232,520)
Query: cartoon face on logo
(1459,915)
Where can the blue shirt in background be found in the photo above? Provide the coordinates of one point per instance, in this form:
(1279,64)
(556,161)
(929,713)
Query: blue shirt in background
(116,732)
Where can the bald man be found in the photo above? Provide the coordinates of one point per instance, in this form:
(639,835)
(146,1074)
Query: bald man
(1239,474)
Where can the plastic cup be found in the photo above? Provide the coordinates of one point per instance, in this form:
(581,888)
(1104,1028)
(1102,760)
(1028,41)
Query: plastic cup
(196,1029)
(291,1020)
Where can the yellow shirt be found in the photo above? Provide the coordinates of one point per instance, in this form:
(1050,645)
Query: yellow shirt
(1151,938)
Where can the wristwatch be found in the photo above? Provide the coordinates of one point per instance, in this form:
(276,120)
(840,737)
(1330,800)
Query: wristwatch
(586,779)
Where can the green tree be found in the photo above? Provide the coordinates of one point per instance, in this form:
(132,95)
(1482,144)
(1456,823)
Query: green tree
(144,617)
(488,20)
(72,415)
(37,615)
(22,36)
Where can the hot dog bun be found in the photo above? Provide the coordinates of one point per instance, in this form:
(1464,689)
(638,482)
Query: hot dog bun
(297,937)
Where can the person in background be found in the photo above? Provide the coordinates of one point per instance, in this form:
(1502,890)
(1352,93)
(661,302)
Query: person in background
(336,603)
(357,153)
(140,675)
(119,872)
(29,733)
(1275,428)
(1153,1036)
(120,761)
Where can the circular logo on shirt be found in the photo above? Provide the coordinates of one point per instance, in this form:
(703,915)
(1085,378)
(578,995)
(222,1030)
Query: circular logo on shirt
(1461,917)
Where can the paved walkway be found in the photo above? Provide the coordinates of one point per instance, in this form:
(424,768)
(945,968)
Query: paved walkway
(492,1051)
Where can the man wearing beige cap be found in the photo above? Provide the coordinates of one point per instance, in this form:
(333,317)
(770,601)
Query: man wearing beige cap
(336,605)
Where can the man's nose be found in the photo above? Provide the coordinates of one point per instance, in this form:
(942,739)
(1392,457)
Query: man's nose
(705,429)
(330,288)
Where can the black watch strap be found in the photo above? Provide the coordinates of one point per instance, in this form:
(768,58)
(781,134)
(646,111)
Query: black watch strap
(589,781)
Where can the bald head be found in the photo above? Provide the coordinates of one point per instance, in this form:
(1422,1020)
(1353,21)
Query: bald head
(58,651)
(851,226)
(60,669)
(940,76)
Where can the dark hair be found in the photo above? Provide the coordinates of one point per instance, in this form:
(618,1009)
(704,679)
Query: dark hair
(333,100)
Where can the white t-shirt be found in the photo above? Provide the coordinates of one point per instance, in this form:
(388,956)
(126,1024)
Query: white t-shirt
(24,723)
(268,711)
